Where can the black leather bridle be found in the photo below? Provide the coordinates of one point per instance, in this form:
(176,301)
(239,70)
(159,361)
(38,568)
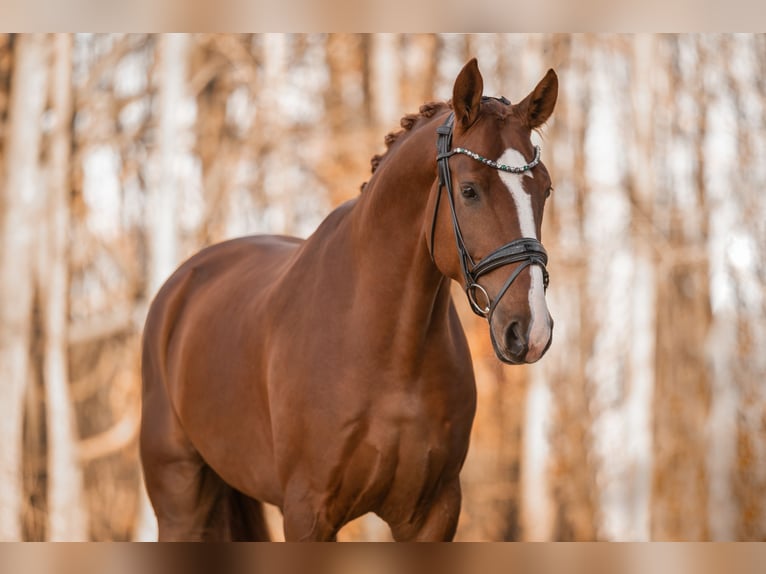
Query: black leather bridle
(525,251)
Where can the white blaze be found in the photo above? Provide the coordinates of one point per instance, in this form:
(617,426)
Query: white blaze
(540,322)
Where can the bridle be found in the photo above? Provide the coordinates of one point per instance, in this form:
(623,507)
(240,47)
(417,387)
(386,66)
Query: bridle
(526,250)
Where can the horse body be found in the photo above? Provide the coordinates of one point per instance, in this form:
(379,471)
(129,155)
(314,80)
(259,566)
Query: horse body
(381,392)
(329,377)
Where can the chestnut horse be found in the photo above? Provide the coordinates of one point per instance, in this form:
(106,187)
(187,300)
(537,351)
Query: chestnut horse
(331,377)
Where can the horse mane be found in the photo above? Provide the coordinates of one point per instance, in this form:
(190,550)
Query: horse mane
(427,110)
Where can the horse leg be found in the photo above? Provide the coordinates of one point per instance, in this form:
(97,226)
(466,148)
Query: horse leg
(187,497)
(193,503)
(185,493)
(439,523)
(305,520)
(183,490)
(246,520)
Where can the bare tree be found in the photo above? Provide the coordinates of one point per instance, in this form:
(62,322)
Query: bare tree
(163,200)
(21,199)
(682,380)
(573,468)
(67,518)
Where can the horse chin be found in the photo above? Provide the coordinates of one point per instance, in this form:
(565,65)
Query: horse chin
(509,359)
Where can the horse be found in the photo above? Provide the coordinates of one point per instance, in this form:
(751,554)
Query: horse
(331,377)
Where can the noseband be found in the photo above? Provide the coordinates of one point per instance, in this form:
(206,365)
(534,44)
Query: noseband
(526,250)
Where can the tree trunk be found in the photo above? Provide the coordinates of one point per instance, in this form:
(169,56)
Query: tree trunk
(346,163)
(163,201)
(67,518)
(386,74)
(683,319)
(632,494)
(212,143)
(572,466)
(276,178)
(743,339)
(21,196)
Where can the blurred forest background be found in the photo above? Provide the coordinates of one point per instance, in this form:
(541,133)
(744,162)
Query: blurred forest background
(121,155)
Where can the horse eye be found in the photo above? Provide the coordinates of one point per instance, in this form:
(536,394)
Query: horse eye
(548,192)
(469,192)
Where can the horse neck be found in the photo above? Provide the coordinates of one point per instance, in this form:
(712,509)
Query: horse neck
(401,281)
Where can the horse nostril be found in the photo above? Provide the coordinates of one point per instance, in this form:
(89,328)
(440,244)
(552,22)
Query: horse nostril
(515,339)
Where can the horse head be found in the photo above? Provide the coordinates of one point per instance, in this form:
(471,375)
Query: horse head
(496,187)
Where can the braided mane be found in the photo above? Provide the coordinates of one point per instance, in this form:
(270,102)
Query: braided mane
(407,122)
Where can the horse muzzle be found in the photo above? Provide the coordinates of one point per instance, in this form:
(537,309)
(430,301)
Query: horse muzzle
(518,342)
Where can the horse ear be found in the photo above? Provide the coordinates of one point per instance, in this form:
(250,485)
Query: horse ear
(538,106)
(466,95)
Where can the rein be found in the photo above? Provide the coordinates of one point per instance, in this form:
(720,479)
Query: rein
(526,250)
